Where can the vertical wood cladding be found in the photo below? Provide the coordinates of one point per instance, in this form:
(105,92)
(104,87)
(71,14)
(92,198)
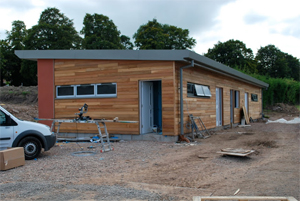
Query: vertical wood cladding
(127,75)
(206,107)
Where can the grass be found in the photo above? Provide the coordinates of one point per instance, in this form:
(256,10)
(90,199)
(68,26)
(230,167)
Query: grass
(25,92)
(298,107)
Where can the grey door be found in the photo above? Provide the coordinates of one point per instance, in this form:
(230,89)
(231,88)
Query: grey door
(219,108)
(146,107)
(246,102)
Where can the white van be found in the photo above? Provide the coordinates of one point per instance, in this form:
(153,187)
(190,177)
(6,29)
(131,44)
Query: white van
(30,135)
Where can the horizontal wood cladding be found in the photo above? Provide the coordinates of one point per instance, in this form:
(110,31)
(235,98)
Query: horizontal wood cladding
(206,107)
(125,106)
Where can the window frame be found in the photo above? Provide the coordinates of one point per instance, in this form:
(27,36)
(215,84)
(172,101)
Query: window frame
(66,96)
(106,95)
(198,90)
(94,95)
(253,99)
(84,95)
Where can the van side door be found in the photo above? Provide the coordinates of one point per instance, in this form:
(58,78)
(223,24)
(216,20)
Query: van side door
(6,130)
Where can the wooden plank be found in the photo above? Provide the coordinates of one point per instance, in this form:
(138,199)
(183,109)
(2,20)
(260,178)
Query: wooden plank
(202,198)
(246,115)
(236,153)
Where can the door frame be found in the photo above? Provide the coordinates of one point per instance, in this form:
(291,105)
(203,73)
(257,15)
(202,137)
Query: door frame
(232,98)
(140,102)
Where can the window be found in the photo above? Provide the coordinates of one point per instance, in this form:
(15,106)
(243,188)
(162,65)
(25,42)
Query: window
(65,91)
(236,99)
(196,90)
(85,90)
(107,89)
(254,97)
(101,90)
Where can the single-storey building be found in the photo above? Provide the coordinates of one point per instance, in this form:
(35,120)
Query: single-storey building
(157,88)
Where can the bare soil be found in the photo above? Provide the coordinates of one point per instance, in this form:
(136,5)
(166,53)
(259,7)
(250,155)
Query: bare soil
(139,170)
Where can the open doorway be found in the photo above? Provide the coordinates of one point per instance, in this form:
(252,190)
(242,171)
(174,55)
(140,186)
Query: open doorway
(150,107)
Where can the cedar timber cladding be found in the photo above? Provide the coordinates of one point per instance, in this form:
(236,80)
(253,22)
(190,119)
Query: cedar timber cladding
(127,68)
(206,107)
(127,75)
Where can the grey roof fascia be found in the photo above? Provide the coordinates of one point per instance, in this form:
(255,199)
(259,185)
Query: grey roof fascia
(150,55)
(210,64)
(166,55)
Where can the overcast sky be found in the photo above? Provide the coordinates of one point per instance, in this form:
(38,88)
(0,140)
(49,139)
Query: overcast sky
(257,23)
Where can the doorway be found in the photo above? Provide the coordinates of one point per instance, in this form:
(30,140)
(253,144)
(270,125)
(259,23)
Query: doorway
(231,106)
(219,106)
(150,107)
(246,102)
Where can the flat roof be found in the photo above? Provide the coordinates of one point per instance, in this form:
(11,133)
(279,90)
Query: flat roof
(146,55)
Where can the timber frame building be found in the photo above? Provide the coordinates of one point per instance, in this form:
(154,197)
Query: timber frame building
(157,88)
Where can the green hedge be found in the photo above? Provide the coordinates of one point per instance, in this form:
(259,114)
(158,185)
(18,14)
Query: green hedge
(281,90)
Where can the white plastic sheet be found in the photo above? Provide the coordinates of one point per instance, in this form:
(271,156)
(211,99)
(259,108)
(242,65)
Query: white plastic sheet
(283,121)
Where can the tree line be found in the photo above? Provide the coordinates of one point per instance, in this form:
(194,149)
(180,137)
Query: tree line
(54,30)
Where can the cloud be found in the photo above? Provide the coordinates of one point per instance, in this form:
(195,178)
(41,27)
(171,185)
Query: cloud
(254,18)
(16,5)
(130,15)
(292,28)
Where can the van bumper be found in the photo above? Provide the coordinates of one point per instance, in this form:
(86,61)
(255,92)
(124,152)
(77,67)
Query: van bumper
(50,141)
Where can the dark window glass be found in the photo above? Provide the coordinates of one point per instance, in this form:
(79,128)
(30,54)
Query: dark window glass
(194,90)
(254,97)
(190,89)
(65,91)
(106,89)
(85,90)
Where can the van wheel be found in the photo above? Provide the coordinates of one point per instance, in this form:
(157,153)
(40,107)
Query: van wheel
(32,147)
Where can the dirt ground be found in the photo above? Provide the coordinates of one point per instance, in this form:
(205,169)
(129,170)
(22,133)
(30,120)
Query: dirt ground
(139,170)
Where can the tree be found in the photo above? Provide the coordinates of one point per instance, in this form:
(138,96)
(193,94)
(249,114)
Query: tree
(233,53)
(4,72)
(272,62)
(53,31)
(101,33)
(125,42)
(294,66)
(154,35)
(11,65)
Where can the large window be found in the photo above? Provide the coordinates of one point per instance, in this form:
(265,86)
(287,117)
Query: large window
(196,90)
(101,90)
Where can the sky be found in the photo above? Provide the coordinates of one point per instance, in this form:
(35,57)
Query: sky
(257,23)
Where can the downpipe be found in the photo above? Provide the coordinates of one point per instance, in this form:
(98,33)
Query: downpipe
(181,95)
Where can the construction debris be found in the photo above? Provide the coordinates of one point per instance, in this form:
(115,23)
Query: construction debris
(236,152)
(198,128)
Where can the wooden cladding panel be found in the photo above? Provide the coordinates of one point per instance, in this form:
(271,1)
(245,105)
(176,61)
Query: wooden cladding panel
(206,107)
(127,75)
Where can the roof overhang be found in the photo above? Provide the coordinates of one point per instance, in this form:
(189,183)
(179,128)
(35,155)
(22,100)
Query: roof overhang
(147,55)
